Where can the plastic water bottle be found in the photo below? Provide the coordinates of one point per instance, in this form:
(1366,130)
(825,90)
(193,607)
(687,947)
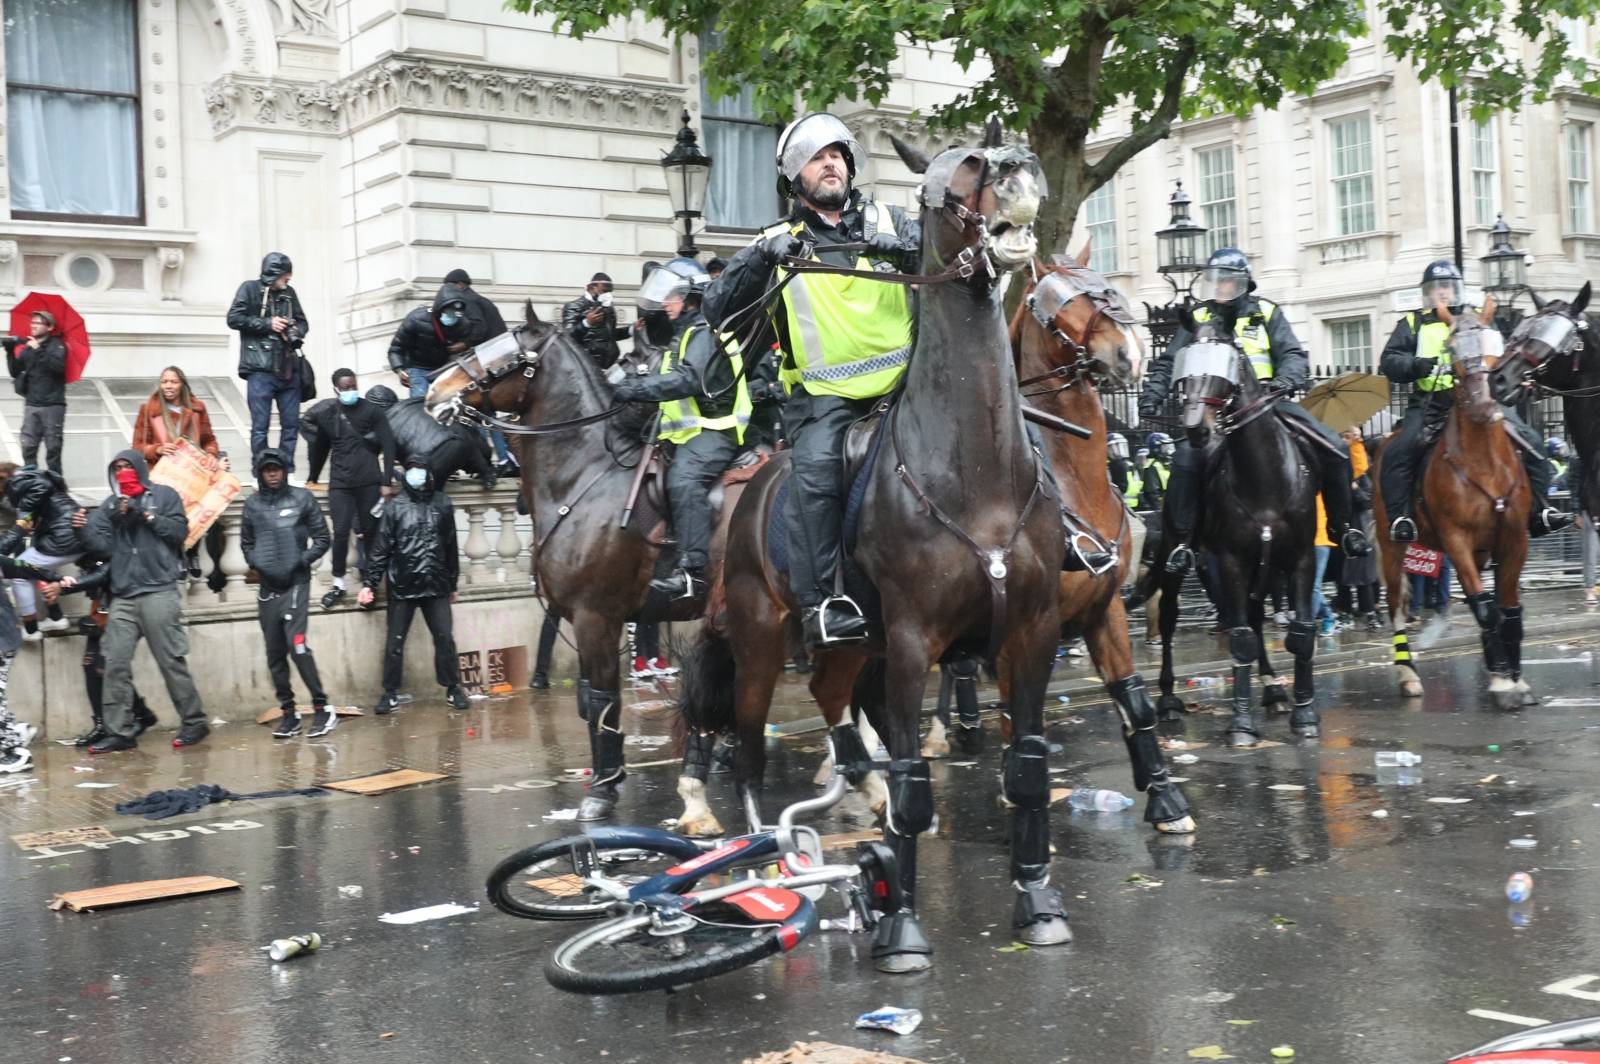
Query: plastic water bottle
(1400,758)
(1099,801)
(1205,681)
(1519,888)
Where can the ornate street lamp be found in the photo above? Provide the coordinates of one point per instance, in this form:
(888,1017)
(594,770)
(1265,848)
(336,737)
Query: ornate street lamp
(1180,255)
(687,169)
(1505,275)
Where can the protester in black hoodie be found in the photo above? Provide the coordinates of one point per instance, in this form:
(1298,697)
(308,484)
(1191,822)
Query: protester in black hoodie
(416,549)
(355,434)
(267,316)
(443,448)
(38,365)
(284,533)
(44,515)
(141,527)
(95,581)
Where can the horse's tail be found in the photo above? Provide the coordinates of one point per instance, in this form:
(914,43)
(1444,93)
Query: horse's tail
(1148,584)
(705,687)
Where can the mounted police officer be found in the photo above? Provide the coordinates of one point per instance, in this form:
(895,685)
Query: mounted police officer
(1263,332)
(845,342)
(1417,353)
(705,410)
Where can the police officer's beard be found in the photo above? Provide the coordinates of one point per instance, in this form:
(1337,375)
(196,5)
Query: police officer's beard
(828,199)
(657,327)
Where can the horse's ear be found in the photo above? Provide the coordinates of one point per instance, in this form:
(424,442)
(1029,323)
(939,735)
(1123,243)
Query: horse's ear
(993,135)
(1486,315)
(916,160)
(1083,252)
(528,316)
(1538,303)
(1581,300)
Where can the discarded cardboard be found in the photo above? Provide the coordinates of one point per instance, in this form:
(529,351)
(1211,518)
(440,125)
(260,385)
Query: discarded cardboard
(65,837)
(385,781)
(273,715)
(827,1053)
(849,839)
(83,901)
(564,886)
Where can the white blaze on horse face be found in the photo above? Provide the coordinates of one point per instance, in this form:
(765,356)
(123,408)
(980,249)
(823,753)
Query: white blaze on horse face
(1133,348)
(444,388)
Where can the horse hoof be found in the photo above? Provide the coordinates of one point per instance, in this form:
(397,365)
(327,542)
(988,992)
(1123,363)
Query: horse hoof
(1411,689)
(1046,931)
(824,773)
(969,740)
(703,827)
(1184,825)
(1311,730)
(934,748)
(592,809)
(902,963)
(1511,701)
(1170,707)
(1274,694)
(1239,739)
(1528,697)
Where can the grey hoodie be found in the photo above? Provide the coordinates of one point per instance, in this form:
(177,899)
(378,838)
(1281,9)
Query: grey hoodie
(145,544)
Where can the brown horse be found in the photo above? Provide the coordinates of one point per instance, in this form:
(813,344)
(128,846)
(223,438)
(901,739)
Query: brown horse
(1474,507)
(959,534)
(1072,334)
(578,471)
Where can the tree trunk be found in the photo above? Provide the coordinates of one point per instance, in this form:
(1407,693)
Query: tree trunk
(1061,159)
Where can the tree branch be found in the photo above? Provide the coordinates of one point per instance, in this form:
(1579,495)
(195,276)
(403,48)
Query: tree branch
(1154,128)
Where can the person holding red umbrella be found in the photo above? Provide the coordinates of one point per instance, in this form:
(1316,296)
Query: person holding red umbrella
(38,365)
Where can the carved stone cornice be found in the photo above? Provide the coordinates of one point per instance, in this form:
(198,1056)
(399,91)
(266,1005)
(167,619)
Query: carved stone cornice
(402,83)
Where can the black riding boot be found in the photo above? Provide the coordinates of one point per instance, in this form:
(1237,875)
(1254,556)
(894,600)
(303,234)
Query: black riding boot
(605,744)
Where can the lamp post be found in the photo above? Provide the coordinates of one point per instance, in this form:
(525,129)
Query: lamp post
(1180,251)
(1505,275)
(687,169)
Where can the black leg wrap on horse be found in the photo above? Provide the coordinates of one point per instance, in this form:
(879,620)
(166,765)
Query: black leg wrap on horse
(1301,639)
(583,700)
(1484,609)
(910,798)
(1138,730)
(697,750)
(1037,901)
(1305,690)
(1242,644)
(850,756)
(605,730)
(1030,845)
(966,684)
(899,933)
(1487,613)
(1511,638)
(1027,772)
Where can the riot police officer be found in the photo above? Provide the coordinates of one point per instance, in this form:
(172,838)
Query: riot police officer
(1263,332)
(1417,354)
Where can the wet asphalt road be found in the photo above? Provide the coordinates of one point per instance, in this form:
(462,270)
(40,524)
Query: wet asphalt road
(1295,917)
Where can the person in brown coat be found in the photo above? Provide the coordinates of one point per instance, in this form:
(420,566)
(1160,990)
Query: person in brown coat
(172,413)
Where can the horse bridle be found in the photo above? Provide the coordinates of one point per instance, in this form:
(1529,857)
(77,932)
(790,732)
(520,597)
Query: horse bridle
(481,380)
(1572,344)
(1107,303)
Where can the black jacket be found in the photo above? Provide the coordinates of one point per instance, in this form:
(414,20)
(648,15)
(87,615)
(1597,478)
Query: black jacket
(416,345)
(422,342)
(1400,363)
(599,340)
(145,544)
(416,545)
(357,437)
(254,306)
(46,370)
(749,275)
(284,532)
(1291,368)
(40,497)
(704,372)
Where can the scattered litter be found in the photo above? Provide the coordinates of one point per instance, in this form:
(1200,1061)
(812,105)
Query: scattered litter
(826,1053)
(1209,1053)
(562,814)
(1139,879)
(1585,656)
(478,696)
(385,781)
(1523,843)
(1524,812)
(1519,888)
(961,764)
(1283,1052)
(428,912)
(1177,779)
(889,1018)
(95,786)
(1282,921)
(1396,758)
(1380,814)
(1573,702)
(649,742)
(1449,801)
(1213,997)
(82,768)
(1240,1023)
(1184,759)
(578,775)
(83,901)
(1015,947)
(218,720)
(1205,681)
(62,838)
(282,949)
(1490,778)
(159,805)
(354,890)
(1090,800)
(1493,748)
(386,1035)
(17,782)
(414,850)
(1286,787)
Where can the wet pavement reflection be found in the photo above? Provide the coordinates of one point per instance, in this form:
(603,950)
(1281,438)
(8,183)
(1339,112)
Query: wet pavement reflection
(1353,912)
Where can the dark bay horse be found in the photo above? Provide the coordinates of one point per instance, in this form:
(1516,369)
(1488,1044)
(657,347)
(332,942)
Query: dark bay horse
(1071,335)
(959,533)
(1258,523)
(1473,506)
(578,469)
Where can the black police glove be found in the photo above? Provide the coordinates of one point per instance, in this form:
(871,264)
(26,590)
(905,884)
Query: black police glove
(780,247)
(1422,367)
(628,390)
(1149,407)
(883,245)
(1280,387)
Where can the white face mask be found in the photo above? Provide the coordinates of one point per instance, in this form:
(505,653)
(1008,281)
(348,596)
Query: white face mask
(417,478)
(604,299)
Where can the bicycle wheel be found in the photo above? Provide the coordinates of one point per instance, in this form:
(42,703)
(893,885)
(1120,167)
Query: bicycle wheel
(546,882)
(656,949)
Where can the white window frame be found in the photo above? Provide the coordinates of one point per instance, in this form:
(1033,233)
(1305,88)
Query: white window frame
(1105,249)
(1484,171)
(1212,206)
(1579,173)
(1345,174)
(1339,351)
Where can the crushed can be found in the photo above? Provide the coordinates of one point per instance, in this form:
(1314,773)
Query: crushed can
(282,949)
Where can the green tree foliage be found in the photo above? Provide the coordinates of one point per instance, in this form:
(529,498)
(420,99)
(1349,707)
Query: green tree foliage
(1053,68)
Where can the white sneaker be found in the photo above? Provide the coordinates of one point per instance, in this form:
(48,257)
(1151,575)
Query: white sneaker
(659,667)
(16,759)
(59,625)
(32,637)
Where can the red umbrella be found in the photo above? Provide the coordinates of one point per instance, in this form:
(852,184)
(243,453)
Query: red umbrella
(69,326)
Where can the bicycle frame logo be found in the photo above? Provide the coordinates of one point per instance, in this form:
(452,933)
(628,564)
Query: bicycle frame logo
(707,858)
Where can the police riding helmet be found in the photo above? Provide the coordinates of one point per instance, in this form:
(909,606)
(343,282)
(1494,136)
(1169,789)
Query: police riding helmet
(806,136)
(1160,443)
(1441,278)
(1555,447)
(1116,445)
(678,278)
(1226,278)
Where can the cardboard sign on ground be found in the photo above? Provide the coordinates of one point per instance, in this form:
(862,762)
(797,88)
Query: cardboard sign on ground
(64,837)
(273,715)
(827,1053)
(83,901)
(385,781)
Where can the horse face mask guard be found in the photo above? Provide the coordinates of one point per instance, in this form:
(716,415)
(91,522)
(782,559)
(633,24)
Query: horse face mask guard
(1207,373)
(1013,177)
(1054,291)
(485,366)
(1537,341)
(1475,347)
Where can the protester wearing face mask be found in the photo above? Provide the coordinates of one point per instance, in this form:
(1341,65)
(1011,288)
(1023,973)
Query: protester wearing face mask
(415,548)
(591,319)
(354,433)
